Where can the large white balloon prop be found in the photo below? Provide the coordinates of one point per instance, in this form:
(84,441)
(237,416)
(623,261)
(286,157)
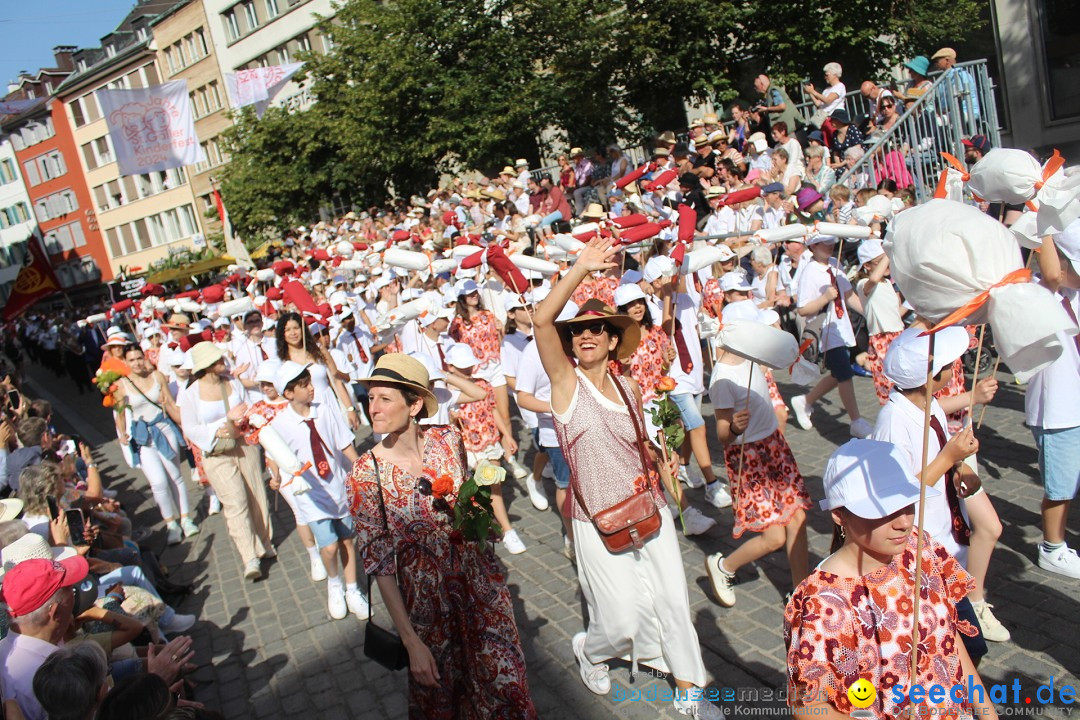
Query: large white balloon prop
(407,259)
(702,258)
(568,243)
(236,307)
(283,456)
(1013,176)
(955,264)
(529,262)
(760,343)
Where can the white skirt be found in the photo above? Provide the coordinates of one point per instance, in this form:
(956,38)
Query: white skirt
(639,607)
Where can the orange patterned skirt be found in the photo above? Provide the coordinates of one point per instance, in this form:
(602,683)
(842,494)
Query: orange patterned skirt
(770,490)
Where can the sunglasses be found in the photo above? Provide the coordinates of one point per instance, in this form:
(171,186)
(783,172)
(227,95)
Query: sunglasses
(594,328)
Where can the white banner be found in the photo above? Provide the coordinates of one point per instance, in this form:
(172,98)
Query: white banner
(151,128)
(14,107)
(258,86)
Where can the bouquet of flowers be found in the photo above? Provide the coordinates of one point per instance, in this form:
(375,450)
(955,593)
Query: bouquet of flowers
(111,370)
(665,415)
(473,516)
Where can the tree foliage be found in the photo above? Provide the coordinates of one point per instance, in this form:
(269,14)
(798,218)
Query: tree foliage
(416,88)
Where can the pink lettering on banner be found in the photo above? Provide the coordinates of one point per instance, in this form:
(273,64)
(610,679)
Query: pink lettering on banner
(151,128)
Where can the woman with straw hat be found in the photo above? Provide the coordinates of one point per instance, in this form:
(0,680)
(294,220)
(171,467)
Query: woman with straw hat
(599,424)
(448,599)
(210,407)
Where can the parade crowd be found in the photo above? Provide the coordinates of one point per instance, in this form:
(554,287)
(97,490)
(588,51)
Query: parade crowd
(579,311)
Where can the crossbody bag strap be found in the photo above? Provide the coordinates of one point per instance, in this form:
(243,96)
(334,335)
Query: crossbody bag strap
(631,407)
(386,526)
(139,390)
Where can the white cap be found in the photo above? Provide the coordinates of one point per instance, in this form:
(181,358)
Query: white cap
(466,287)
(174,357)
(817,239)
(287,372)
(346,312)
(512,302)
(658,265)
(726,253)
(905,362)
(431,316)
(267,371)
(870,249)
(461,355)
(221,322)
(626,294)
(537,294)
(734,280)
(433,370)
(630,276)
(188,362)
(871,479)
(1068,242)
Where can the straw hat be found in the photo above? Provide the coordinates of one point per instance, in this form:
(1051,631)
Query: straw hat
(521,162)
(508,171)
(404,371)
(574,152)
(204,355)
(594,211)
(593,309)
(710,119)
(32,546)
(178,321)
(10,508)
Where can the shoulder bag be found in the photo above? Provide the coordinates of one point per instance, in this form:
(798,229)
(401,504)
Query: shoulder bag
(381,645)
(635,520)
(223,444)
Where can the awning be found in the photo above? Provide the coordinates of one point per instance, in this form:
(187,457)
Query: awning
(197,268)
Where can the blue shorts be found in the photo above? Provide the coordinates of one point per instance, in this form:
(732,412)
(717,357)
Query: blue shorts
(1059,461)
(330,530)
(976,646)
(838,360)
(690,409)
(558,462)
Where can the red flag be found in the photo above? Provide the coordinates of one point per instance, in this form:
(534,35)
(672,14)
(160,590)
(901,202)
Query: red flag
(34,282)
(687,223)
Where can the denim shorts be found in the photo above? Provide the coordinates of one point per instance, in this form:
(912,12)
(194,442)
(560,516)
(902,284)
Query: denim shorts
(838,360)
(329,530)
(559,466)
(1059,461)
(690,409)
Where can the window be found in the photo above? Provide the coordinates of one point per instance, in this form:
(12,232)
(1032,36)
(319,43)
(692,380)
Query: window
(110,51)
(213,96)
(114,244)
(250,15)
(14,214)
(84,110)
(303,43)
(101,199)
(151,74)
(64,238)
(30,172)
(7,171)
(271,9)
(77,115)
(232,27)
(200,43)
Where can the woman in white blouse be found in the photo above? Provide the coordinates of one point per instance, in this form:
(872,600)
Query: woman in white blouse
(211,406)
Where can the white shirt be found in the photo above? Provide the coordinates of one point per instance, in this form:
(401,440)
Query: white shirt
(838,103)
(354,365)
(720,222)
(881,308)
(20,658)
(513,347)
(773,217)
(533,379)
(201,419)
(687,305)
(794,151)
(1052,400)
(728,390)
(327,497)
(246,352)
(813,282)
(901,423)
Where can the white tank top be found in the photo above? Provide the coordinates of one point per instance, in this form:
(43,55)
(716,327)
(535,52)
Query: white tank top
(143,408)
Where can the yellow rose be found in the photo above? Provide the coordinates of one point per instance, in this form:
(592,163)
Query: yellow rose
(488,474)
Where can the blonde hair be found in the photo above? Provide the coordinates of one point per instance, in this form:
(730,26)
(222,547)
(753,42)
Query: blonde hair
(840,193)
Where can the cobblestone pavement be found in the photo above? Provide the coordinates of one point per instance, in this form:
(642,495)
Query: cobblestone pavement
(268,649)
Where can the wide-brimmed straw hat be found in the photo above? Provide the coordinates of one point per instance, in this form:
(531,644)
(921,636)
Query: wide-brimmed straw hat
(177,321)
(404,371)
(204,355)
(594,210)
(595,309)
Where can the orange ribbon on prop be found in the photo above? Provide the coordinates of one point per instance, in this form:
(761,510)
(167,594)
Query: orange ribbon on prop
(1022,275)
(1054,164)
(802,348)
(307,466)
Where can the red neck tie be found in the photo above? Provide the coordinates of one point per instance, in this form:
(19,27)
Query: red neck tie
(263,351)
(960,530)
(680,344)
(360,349)
(697,282)
(322,466)
(442,356)
(838,302)
(1072,315)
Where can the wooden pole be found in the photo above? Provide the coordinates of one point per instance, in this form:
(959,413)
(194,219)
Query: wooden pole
(928,399)
(742,445)
(982,413)
(975,374)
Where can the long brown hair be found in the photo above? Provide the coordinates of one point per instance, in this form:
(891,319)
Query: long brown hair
(308,342)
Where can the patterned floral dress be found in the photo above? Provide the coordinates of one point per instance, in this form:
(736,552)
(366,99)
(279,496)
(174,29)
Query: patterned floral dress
(712,298)
(649,360)
(602,287)
(477,420)
(482,335)
(838,630)
(456,596)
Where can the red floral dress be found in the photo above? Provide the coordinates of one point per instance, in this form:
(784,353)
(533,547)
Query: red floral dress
(771,488)
(875,356)
(838,630)
(456,596)
(648,361)
(712,298)
(477,420)
(602,287)
(481,334)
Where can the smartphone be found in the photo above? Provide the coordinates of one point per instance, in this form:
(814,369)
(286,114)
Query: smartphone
(14,399)
(54,509)
(76,526)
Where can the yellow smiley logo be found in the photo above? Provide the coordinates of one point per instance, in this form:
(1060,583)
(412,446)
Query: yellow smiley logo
(861,693)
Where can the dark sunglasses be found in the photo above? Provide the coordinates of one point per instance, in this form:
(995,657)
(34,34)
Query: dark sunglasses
(594,328)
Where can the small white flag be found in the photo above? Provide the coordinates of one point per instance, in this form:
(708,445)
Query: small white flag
(258,86)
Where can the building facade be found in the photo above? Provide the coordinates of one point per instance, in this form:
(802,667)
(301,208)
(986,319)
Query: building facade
(17,223)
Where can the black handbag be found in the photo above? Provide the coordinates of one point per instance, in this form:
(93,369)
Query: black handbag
(381,645)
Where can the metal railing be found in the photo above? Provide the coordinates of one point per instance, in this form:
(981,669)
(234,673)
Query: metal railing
(960,103)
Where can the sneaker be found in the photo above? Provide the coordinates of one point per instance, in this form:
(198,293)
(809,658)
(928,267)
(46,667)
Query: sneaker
(802,412)
(700,708)
(1063,561)
(215,505)
(336,604)
(173,533)
(595,677)
(696,523)
(536,494)
(189,527)
(253,569)
(991,628)
(176,624)
(861,429)
(318,570)
(717,496)
(723,583)
(548,473)
(568,549)
(358,604)
(513,543)
(688,480)
(517,468)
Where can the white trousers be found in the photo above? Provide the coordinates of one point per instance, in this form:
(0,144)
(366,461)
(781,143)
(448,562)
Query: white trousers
(166,481)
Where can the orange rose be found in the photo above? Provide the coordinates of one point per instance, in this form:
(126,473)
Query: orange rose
(665,385)
(108,401)
(442,485)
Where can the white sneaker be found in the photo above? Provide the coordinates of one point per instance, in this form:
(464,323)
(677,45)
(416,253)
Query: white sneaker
(722,582)
(696,523)
(177,624)
(253,569)
(173,533)
(517,468)
(992,629)
(689,480)
(215,505)
(189,527)
(861,429)
(335,602)
(318,570)
(548,473)
(1062,561)
(700,708)
(513,543)
(595,677)
(802,412)
(717,496)
(358,604)
(536,494)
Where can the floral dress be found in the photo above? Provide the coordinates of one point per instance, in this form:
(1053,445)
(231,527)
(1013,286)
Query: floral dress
(838,630)
(648,362)
(712,298)
(481,334)
(958,386)
(480,433)
(456,596)
(602,287)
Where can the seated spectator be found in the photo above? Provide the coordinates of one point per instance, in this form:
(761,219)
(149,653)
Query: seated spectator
(71,683)
(36,440)
(146,696)
(818,173)
(846,136)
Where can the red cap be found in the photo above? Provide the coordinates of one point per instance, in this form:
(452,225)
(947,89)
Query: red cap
(29,584)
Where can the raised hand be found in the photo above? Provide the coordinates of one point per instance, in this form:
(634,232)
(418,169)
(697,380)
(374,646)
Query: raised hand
(597,254)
